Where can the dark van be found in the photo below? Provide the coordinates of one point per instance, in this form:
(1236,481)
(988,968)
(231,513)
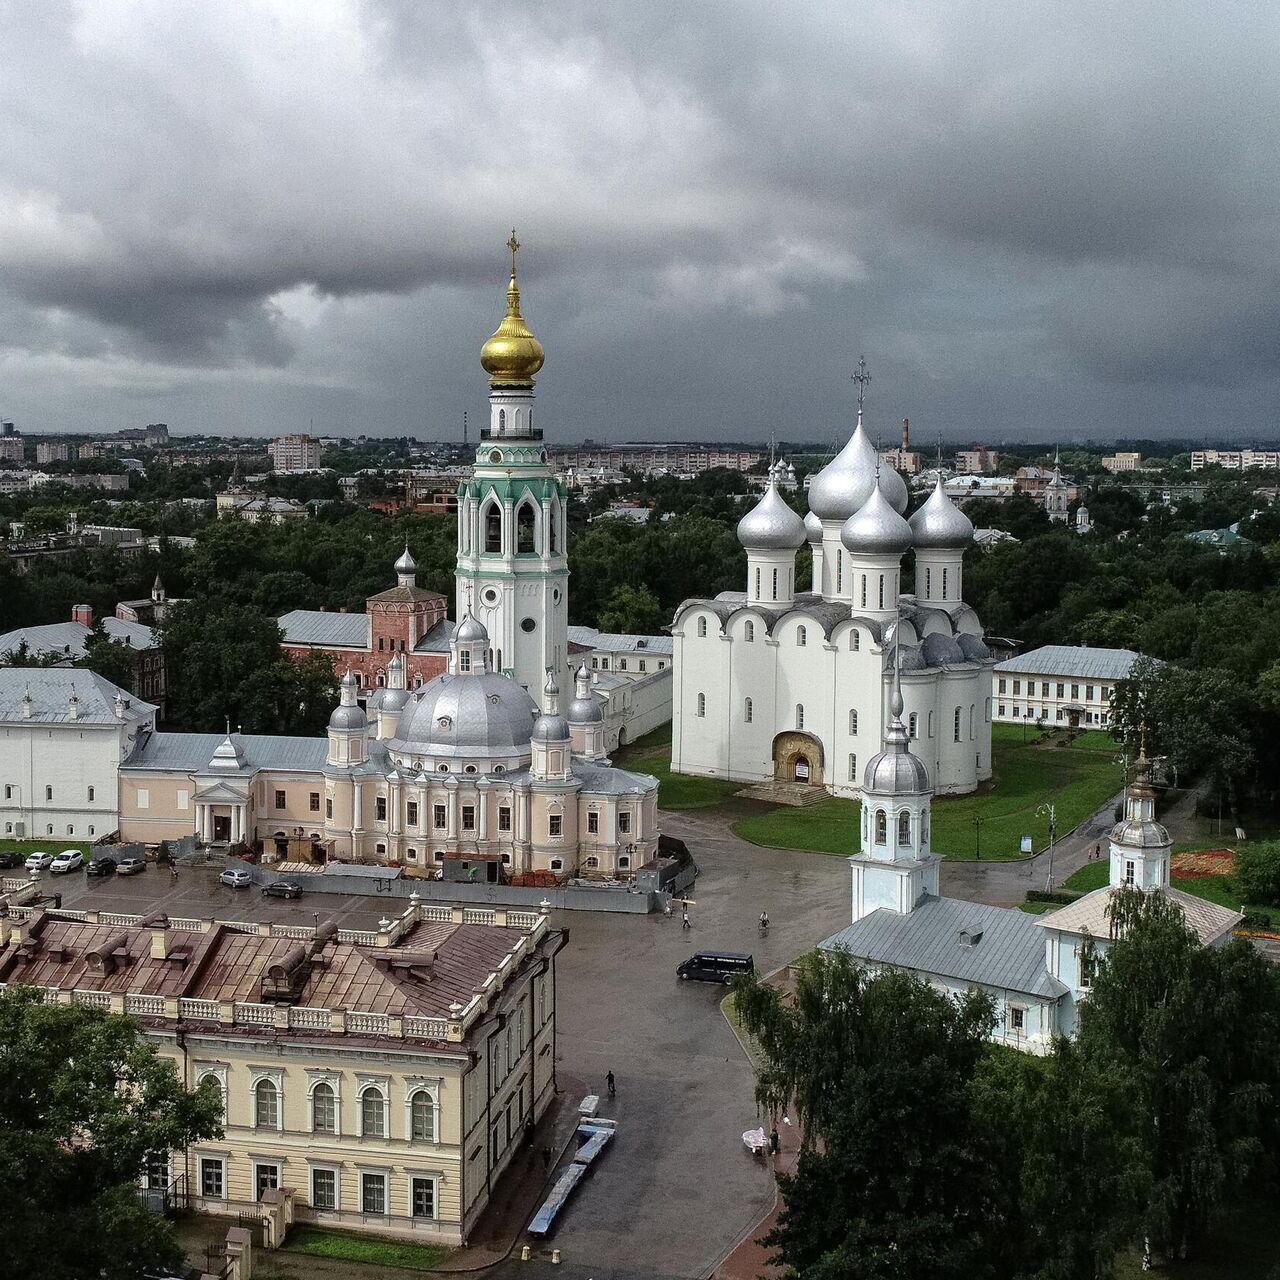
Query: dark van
(716,966)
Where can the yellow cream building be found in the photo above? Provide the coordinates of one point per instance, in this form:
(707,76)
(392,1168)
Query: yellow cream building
(467,765)
(386,1078)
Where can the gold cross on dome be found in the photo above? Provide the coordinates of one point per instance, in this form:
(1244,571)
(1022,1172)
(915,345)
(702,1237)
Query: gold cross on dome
(513,244)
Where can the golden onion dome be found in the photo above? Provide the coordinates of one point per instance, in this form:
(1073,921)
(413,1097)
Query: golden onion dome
(512,355)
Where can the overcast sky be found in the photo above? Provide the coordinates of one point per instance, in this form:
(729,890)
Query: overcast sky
(1036,220)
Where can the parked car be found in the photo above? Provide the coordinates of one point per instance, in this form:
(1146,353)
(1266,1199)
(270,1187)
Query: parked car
(101,867)
(67,860)
(716,966)
(236,877)
(282,889)
(130,865)
(38,861)
(9,860)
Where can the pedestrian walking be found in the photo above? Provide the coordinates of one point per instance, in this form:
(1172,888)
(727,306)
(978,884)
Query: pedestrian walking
(684,920)
(173,871)
(610,1082)
(546,1157)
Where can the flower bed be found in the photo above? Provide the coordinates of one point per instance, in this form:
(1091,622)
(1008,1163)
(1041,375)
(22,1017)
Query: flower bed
(1203,862)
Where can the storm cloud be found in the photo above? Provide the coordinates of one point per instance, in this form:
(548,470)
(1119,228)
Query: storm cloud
(1034,219)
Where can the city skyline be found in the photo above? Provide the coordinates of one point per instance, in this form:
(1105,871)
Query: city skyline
(259,220)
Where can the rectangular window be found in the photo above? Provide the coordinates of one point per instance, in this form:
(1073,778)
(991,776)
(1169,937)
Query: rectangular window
(1075,690)
(1062,690)
(1044,688)
(1002,710)
(438,820)
(468,817)
(380,808)
(279,799)
(324,1189)
(1017,1019)
(624,821)
(504,818)
(183,799)
(641,664)
(1002,684)
(423,1197)
(593,823)
(1088,693)
(1017,687)
(144,798)
(328,807)
(373,1193)
(1085,965)
(853,767)
(1130,872)
(212,1182)
(313,802)
(554,827)
(266,1177)
(156,1171)
(411,813)
(622,664)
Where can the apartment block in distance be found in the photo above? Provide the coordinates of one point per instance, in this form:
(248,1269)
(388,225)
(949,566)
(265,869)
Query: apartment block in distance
(382,1080)
(295,453)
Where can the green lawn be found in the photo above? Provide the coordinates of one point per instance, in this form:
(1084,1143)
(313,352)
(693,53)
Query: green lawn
(46,844)
(1025,777)
(681,790)
(1223,890)
(368,1249)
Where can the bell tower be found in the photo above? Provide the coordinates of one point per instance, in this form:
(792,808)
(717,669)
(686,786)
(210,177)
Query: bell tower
(512,568)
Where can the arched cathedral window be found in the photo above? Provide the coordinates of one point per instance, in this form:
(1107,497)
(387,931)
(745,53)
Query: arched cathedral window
(524,528)
(882,827)
(904,828)
(492,528)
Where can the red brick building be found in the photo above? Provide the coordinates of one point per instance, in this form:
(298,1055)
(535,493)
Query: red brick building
(406,619)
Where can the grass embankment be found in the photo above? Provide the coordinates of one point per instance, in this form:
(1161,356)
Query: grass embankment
(371,1250)
(652,754)
(1076,779)
(44,844)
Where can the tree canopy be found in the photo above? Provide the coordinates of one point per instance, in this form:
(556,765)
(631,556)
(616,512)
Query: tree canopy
(83,1101)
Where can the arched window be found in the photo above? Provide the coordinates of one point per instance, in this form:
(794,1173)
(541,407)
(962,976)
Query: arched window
(855,640)
(775,584)
(802,637)
(853,721)
(492,528)
(702,704)
(749,632)
(746,711)
(853,767)
(944,584)
(553,534)
(882,591)
(839,572)
(702,628)
(882,827)
(757,582)
(266,1105)
(324,1109)
(502,419)
(524,528)
(217,1084)
(373,1113)
(864,590)
(913,725)
(799,715)
(931,724)
(422,1117)
(904,828)
(971,712)
(957,724)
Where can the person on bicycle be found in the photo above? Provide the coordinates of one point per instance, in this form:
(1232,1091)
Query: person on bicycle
(764,921)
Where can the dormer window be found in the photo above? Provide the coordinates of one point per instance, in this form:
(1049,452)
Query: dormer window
(464,661)
(444,722)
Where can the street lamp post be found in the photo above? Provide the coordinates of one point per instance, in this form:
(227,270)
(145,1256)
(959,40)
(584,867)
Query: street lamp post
(977,829)
(1051,811)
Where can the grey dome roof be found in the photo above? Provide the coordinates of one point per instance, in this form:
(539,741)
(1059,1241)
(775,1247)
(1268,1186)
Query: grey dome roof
(584,706)
(940,523)
(406,563)
(941,650)
(550,727)
(912,658)
(1135,834)
(973,648)
(348,718)
(771,525)
(470,631)
(845,483)
(892,772)
(478,714)
(812,528)
(876,528)
(392,700)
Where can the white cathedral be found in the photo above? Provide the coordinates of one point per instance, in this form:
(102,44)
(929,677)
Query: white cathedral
(775,683)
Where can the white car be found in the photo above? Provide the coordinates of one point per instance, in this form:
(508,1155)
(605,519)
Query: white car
(67,860)
(38,861)
(236,877)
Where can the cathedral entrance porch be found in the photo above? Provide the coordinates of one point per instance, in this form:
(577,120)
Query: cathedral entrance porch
(797,759)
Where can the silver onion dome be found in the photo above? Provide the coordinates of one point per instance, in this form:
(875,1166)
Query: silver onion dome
(470,631)
(406,563)
(812,528)
(940,523)
(876,528)
(584,706)
(845,483)
(551,726)
(895,771)
(771,525)
(348,718)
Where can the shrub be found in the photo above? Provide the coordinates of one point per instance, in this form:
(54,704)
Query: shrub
(1258,873)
